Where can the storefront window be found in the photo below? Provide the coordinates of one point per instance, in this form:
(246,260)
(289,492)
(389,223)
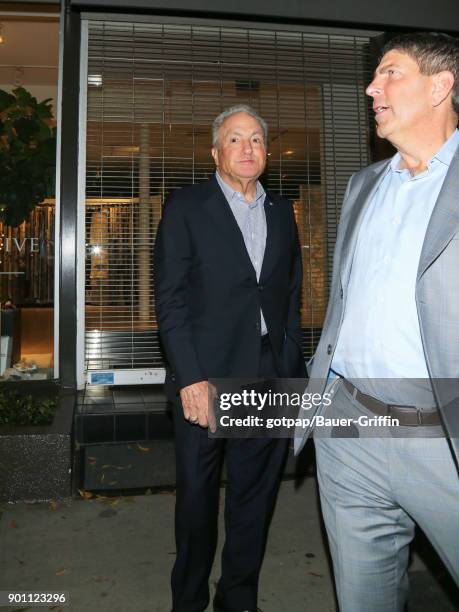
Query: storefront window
(28,94)
(153,91)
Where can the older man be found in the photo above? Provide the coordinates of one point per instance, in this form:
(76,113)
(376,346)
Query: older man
(390,342)
(228,278)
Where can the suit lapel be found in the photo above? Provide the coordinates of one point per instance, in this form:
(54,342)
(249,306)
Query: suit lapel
(217,207)
(358,209)
(444,222)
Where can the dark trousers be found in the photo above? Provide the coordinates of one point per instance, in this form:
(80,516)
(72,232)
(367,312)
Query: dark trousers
(253,469)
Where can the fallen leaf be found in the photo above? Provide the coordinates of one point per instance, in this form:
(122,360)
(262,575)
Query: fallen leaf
(143,448)
(117,467)
(62,571)
(13,524)
(115,501)
(53,505)
(128,498)
(85,494)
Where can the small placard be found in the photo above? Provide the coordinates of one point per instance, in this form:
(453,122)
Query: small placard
(102,378)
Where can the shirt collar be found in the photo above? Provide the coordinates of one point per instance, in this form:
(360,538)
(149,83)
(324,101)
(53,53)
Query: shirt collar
(447,151)
(231,193)
(444,155)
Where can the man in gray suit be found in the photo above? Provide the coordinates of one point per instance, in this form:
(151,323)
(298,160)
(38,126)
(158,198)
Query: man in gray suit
(390,342)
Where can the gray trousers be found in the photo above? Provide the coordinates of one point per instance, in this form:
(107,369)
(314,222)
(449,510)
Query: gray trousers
(373,491)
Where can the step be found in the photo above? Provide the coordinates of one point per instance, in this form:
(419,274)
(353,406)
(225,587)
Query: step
(126,414)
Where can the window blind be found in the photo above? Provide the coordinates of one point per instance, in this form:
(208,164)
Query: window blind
(153,92)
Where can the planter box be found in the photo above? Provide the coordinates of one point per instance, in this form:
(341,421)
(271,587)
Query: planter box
(35,461)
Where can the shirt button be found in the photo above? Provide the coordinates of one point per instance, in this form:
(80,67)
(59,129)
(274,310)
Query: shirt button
(386,259)
(329,349)
(396,220)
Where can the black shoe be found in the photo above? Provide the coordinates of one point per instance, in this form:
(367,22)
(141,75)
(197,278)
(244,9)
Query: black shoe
(219,608)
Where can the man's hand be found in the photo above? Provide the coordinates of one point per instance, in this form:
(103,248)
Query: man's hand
(197,401)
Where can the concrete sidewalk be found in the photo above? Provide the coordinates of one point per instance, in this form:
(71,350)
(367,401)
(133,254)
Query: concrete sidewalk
(115,555)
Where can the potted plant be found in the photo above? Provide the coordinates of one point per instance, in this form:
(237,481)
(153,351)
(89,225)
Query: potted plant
(27,154)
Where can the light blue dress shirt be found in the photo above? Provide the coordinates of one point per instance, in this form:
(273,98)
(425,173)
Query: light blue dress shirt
(251,219)
(380,336)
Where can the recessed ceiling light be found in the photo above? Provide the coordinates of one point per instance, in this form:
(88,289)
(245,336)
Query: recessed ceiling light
(289,152)
(2,36)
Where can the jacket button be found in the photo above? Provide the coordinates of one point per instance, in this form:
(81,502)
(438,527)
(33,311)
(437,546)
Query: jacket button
(329,349)
(258,326)
(260,287)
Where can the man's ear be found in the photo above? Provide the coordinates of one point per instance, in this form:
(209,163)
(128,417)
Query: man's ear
(443,83)
(214,152)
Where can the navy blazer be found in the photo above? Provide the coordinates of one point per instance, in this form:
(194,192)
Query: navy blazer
(207,295)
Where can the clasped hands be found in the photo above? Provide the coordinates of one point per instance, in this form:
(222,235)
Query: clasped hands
(197,401)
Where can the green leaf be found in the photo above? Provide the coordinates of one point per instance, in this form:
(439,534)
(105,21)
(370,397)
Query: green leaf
(24,97)
(6,100)
(26,129)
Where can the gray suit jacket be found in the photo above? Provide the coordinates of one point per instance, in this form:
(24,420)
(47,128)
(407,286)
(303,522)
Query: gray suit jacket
(437,292)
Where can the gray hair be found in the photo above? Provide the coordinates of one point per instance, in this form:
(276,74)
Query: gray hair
(433,52)
(233,110)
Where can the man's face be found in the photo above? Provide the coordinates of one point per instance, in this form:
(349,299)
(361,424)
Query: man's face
(241,151)
(402,99)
